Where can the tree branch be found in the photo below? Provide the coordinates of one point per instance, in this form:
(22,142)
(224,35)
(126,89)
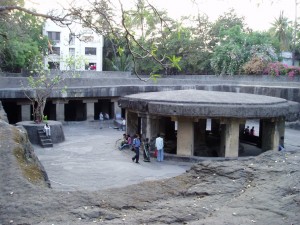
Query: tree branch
(63,19)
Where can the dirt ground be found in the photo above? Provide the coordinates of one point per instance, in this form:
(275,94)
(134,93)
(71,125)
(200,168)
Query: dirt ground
(256,190)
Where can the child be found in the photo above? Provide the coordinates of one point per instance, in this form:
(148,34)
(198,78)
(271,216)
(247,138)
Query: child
(146,150)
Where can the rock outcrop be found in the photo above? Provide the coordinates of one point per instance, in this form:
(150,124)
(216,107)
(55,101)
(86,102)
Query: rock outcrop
(3,115)
(262,190)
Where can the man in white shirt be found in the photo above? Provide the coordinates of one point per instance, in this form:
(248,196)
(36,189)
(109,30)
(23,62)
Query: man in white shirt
(123,124)
(47,130)
(101,119)
(159,144)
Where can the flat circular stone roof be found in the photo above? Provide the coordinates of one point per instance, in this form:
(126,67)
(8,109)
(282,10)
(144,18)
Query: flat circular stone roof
(199,103)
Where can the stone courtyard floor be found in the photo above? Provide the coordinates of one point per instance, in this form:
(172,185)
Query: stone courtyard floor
(89,160)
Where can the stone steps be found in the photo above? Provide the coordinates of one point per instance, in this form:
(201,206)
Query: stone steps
(45,142)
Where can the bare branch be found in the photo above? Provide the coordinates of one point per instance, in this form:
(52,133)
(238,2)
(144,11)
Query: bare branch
(63,19)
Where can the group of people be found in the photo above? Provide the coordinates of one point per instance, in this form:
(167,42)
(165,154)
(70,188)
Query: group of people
(251,132)
(136,144)
(248,131)
(103,117)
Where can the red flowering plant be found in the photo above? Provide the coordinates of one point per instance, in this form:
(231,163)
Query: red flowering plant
(278,68)
(293,71)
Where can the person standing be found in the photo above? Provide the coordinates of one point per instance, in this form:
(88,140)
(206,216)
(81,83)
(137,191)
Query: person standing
(159,144)
(136,144)
(247,131)
(252,132)
(123,124)
(100,119)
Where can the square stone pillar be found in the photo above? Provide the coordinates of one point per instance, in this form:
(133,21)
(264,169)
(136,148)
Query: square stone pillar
(90,109)
(273,130)
(151,127)
(116,108)
(25,112)
(144,125)
(131,122)
(281,129)
(229,146)
(185,137)
(60,109)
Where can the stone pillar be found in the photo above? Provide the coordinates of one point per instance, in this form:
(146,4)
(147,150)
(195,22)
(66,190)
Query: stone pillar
(200,137)
(153,127)
(131,123)
(144,125)
(117,109)
(185,137)
(230,138)
(90,109)
(273,129)
(25,112)
(60,109)
(260,137)
(281,129)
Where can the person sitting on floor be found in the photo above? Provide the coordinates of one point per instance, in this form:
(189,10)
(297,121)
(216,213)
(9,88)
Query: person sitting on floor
(126,142)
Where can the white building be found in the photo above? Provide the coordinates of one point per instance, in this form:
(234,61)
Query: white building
(67,44)
(287,58)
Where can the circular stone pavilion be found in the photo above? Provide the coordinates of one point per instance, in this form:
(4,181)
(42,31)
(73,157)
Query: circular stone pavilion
(181,115)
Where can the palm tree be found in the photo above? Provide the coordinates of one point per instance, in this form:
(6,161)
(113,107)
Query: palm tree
(282,31)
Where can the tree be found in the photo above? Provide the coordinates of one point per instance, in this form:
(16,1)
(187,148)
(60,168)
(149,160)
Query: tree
(42,82)
(23,40)
(20,35)
(282,31)
(237,47)
(224,23)
(140,45)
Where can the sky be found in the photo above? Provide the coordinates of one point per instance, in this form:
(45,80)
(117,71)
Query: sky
(259,14)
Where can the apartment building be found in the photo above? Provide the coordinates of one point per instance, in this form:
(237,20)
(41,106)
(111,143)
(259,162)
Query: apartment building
(73,47)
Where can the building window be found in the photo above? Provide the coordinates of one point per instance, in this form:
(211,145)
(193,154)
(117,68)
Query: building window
(71,51)
(71,39)
(55,51)
(53,65)
(90,51)
(87,38)
(54,36)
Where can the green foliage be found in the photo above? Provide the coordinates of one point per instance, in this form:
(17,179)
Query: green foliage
(191,45)
(45,118)
(222,25)
(175,61)
(238,47)
(282,31)
(154,77)
(20,38)
(228,56)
